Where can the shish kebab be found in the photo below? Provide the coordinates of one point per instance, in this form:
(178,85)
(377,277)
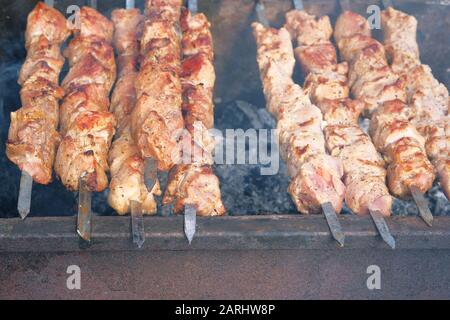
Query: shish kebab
(326,82)
(194,183)
(87,126)
(316,176)
(33,137)
(427,98)
(129,191)
(383,93)
(156,120)
(127,165)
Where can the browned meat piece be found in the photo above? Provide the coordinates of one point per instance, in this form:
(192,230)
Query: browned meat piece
(400,42)
(83,152)
(92,23)
(307,29)
(86,123)
(349,24)
(328,84)
(403,148)
(44,60)
(317,57)
(315,52)
(199,187)
(127,177)
(197,35)
(48,22)
(164,9)
(33,139)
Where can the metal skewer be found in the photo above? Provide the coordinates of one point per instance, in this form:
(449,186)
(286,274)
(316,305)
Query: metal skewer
(190,221)
(345,5)
(84,218)
(84,211)
(137,218)
(388,3)
(298,5)
(382,228)
(260,12)
(50,3)
(130,4)
(333,223)
(422,205)
(24,200)
(150,173)
(193,6)
(190,211)
(93,3)
(137,223)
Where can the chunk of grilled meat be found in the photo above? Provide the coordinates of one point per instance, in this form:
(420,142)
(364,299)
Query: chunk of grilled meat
(33,137)
(127,165)
(197,37)
(194,182)
(157,121)
(371,79)
(426,96)
(169,10)
(376,84)
(399,30)
(86,124)
(326,83)
(316,176)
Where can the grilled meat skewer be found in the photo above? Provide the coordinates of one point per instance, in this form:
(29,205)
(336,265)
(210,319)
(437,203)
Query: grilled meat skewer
(157,121)
(126,163)
(33,137)
(327,84)
(316,176)
(373,82)
(194,182)
(427,97)
(87,126)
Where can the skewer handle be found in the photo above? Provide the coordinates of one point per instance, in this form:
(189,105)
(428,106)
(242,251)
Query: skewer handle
(388,3)
(92,3)
(84,212)
(193,6)
(422,205)
(137,223)
(345,5)
(150,173)
(261,13)
(24,200)
(190,221)
(333,223)
(382,228)
(130,4)
(298,5)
